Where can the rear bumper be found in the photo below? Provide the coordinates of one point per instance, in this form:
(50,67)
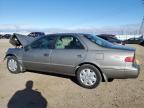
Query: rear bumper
(133,72)
(123,73)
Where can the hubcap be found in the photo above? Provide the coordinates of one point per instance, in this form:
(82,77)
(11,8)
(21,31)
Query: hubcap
(88,77)
(12,65)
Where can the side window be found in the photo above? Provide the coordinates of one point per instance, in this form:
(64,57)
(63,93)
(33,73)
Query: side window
(43,43)
(68,42)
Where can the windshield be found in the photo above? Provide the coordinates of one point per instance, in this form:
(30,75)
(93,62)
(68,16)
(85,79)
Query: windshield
(98,41)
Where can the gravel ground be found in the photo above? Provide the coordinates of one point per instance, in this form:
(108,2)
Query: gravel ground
(61,92)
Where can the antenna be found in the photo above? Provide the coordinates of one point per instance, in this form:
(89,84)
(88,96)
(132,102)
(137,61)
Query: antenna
(141,30)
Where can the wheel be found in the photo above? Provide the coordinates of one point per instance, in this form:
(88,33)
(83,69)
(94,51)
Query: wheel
(13,65)
(88,76)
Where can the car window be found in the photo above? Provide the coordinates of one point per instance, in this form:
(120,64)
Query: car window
(43,43)
(104,38)
(68,42)
(131,39)
(99,41)
(114,40)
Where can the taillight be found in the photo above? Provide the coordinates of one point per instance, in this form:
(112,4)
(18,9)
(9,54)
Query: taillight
(129,59)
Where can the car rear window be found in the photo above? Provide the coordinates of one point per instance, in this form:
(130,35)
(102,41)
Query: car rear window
(99,41)
(111,39)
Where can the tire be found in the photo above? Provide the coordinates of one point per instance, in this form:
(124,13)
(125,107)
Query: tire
(88,76)
(13,65)
(110,80)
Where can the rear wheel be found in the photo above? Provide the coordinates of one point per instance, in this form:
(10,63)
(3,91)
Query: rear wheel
(13,65)
(110,79)
(88,76)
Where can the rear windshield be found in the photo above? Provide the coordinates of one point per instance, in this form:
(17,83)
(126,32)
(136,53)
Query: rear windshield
(99,41)
(114,40)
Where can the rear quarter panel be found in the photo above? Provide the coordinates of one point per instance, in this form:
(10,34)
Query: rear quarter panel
(110,61)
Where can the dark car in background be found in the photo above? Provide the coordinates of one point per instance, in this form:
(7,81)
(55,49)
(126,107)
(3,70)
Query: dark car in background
(111,38)
(5,36)
(1,36)
(36,34)
(134,40)
(142,42)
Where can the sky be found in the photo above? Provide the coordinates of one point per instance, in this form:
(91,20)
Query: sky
(69,14)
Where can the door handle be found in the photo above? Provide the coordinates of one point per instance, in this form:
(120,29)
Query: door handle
(46,54)
(79,55)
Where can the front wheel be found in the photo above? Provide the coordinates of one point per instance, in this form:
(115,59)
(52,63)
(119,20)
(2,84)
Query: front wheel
(88,76)
(13,65)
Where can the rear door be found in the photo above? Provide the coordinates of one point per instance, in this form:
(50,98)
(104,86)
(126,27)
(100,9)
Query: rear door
(37,57)
(68,52)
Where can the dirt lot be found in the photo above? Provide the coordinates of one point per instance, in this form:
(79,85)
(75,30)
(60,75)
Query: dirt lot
(60,92)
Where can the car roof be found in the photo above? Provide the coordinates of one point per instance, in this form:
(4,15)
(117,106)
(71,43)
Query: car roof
(78,34)
(37,32)
(106,35)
